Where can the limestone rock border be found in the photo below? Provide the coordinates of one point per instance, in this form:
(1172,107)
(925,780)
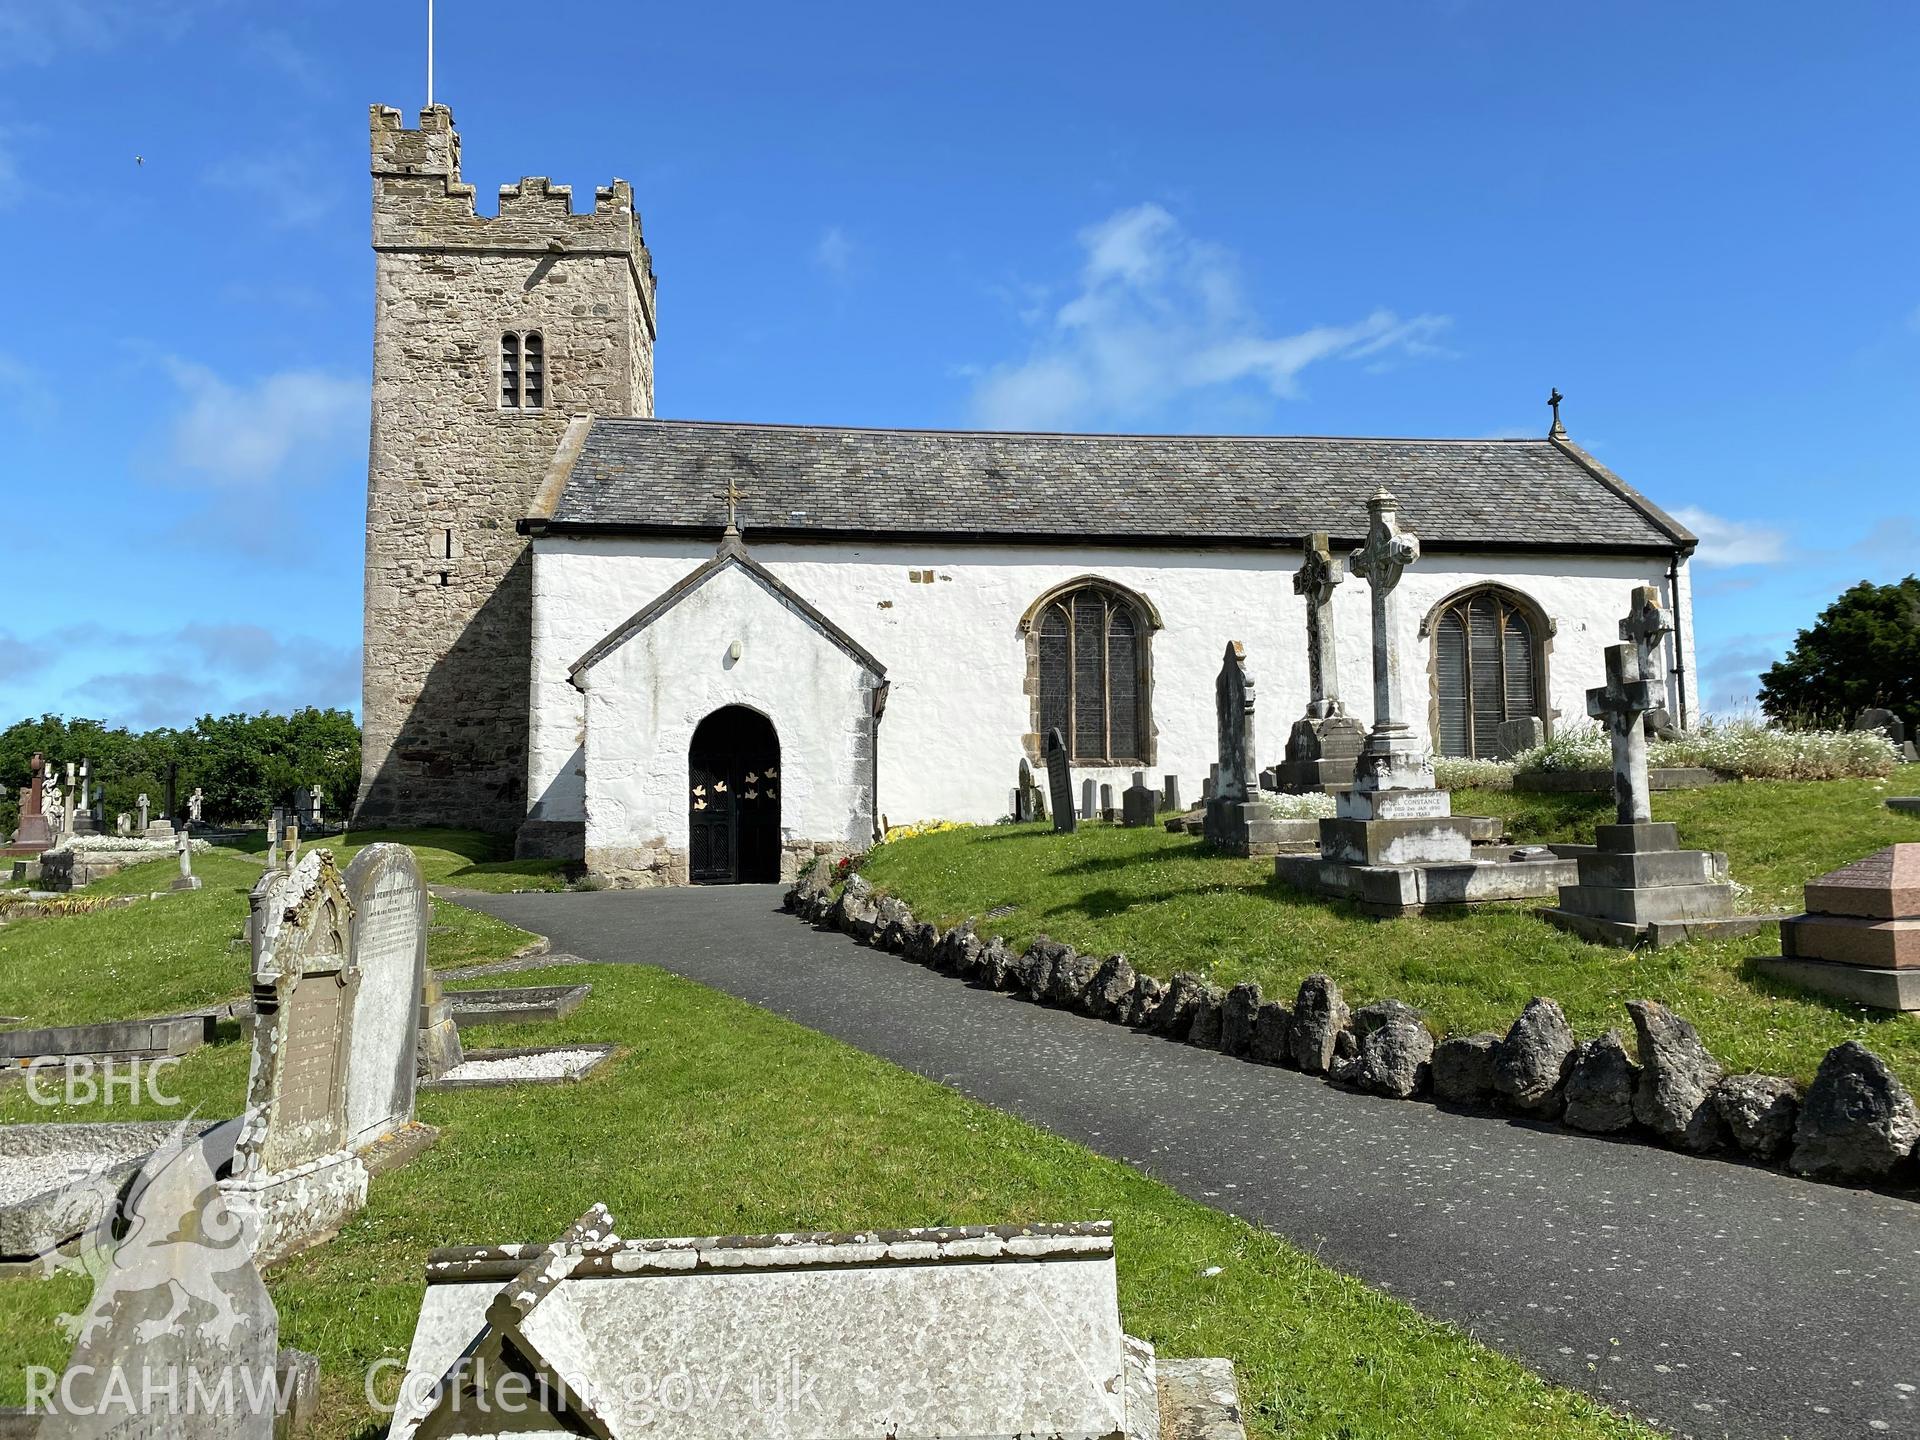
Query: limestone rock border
(1855,1124)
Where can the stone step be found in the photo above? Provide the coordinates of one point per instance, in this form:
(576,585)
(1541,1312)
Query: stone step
(1853,940)
(1651,869)
(1646,906)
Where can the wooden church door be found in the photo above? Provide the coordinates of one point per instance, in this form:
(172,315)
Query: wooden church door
(733,799)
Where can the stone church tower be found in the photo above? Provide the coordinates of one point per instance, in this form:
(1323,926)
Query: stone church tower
(488,334)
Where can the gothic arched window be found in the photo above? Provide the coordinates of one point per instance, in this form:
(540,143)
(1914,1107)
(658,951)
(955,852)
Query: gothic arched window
(1091,673)
(1487,668)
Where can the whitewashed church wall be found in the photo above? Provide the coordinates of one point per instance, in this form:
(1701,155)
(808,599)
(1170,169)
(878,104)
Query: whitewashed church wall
(950,743)
(645,699)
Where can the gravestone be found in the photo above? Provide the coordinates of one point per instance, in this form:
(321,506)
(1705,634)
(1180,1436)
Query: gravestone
(1025,797)
(1393,814)
(314,798)
(1517,736)
(1234,820)
(196,806)
(1106,803)
(1138,803)
(145,807)
(1890,725)
(1646,626)
(1638,887)
(180,1340)
(1170,792)
(295,1175)
(1859,939)
(1089,799)
(1325,742)
(33,834)
(390,948)
(276,821)
(85,822)
(1060,784)
(183,847)
(896,1334)
(123,824)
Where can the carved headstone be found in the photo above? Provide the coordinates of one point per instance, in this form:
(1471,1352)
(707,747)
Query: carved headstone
(1517,736)
(123,824)
(1890,725)
(1325,742)
(1060,783)
(390,948)
(145,808)
(1138,803)
(293,1169)
(1026,796)
(196,806)
(1233,714)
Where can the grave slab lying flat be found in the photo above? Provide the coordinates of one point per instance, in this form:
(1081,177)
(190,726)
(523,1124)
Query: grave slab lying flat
(1718,1299)
(520,1005)
(534,1065)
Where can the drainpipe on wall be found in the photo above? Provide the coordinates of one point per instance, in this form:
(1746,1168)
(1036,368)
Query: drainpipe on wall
(1679,639)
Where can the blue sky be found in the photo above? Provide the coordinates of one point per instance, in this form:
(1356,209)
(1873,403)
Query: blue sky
(1385,219)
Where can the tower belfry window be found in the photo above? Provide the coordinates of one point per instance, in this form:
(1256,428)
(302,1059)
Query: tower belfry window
(523,370)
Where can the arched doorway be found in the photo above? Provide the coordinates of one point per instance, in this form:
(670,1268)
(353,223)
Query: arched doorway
(733,799)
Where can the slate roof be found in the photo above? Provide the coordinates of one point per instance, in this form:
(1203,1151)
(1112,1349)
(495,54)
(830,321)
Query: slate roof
(654,476)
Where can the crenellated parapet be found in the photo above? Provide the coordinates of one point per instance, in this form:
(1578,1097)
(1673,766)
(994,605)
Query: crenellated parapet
(421,204)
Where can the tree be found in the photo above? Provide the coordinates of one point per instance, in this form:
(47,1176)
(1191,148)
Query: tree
(1863,651)
(245,764)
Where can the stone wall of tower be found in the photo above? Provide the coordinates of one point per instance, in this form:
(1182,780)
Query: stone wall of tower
(450,471)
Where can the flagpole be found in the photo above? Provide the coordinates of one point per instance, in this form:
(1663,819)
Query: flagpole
(429,54)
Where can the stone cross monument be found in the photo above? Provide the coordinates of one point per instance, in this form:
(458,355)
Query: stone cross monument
(1392,758)
(1320,573)
(1326,741)
(183,847)
(145,807)
(1646,626)
(1619,705)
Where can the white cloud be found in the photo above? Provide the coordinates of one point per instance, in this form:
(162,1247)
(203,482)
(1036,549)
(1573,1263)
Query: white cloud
(290,189)
(833,252)
(38,32)
(1732,542)
(247,436)
(1159,314)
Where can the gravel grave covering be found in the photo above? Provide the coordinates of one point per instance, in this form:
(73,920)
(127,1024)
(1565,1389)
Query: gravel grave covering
(553,1065)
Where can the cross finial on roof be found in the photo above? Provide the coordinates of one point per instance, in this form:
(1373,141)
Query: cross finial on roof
(733,501)
(1557,431)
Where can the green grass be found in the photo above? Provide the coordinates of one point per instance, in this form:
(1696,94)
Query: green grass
(464,859)
(695,1129)
(187,950)
(1169,904)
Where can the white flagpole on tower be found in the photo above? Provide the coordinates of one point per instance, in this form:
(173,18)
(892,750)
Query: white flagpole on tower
(429,54)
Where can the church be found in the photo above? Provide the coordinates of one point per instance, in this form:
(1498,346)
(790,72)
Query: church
(704,652)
